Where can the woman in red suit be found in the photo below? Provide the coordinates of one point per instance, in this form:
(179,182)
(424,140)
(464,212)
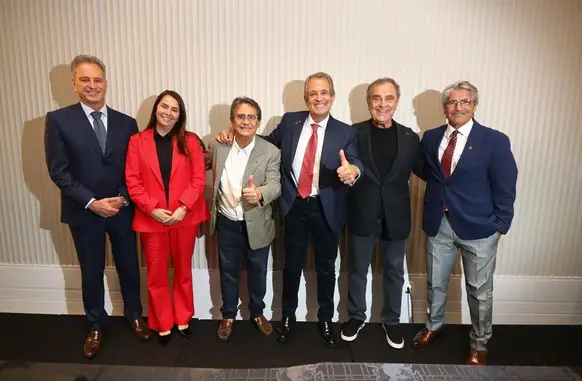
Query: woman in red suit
(165,178)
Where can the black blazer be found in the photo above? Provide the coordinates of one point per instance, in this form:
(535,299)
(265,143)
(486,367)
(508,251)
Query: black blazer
(369,193)
(77,165)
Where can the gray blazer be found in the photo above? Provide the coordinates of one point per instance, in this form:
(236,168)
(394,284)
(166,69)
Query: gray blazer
(263,164)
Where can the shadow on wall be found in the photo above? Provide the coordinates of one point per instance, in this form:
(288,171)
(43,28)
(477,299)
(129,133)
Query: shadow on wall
(37,180)
(359,111)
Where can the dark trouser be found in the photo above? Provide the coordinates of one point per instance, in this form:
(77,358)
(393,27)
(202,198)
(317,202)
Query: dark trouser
(306,218)
(90,245)
(360,254)
(233,248)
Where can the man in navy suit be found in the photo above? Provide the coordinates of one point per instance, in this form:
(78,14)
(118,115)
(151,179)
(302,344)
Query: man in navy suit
(319,162)
(85,145)
(471,178)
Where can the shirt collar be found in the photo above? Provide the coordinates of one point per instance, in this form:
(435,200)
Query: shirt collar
(322,124)
(464,130)
(88,110)
(247,150)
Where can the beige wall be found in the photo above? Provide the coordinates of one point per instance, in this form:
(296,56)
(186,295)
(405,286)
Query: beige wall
(525,56)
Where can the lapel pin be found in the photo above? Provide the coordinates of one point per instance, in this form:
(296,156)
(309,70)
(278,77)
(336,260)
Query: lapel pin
(470,147)
(297,122)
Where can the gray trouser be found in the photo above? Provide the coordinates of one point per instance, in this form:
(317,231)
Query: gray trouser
(478,257)
(360,254)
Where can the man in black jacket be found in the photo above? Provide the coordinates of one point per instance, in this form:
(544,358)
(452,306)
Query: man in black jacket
(379,207)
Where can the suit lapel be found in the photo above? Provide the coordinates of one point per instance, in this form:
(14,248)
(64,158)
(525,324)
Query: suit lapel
(255,158)
(87,129)
(152,154)
(401,139)
(366,137)
(329,141)
(296,129)
(435,149)
(467,153)
(222,151)
(112,129)
(177,157)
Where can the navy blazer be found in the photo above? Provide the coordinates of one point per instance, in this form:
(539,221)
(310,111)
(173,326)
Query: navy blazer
(481,190)
(338,136)
(76,163)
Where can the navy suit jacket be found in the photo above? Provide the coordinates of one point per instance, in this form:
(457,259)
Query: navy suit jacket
(77,165)
(338,136)
(481,190)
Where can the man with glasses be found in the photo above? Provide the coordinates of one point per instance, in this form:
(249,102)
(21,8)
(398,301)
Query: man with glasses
(319,162)
(471,178)
(246,181)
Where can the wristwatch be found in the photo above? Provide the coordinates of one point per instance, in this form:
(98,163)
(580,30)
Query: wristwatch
(124,202)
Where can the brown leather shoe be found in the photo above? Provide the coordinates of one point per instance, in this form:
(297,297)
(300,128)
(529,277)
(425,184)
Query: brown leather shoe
(476,357)
(92,344)
(263,325)
(225,329)
(425,337)
(140,330)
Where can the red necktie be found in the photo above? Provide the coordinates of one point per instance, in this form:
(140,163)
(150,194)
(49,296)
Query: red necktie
(306,176)
(447,159)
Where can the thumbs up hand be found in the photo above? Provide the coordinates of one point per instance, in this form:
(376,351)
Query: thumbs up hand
(251,193)
(346,172)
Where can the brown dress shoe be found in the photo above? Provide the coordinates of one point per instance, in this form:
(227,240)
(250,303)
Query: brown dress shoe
(476,357)
(425,337)
(92,344)
(263,325)
(225,329)
(140,330)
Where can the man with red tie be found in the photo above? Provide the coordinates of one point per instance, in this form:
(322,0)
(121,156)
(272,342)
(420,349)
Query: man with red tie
(319,161)
(471,178)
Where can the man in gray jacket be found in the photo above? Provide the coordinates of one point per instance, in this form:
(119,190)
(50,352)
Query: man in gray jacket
(246,181)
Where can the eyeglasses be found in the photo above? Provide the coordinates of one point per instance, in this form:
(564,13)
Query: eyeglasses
(462,102)
(249,117)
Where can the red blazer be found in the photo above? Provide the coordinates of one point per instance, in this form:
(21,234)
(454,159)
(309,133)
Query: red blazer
(146,187)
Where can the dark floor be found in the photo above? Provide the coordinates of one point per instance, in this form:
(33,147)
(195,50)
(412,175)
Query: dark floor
(59,339)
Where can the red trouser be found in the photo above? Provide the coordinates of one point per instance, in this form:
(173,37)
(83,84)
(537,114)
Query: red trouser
(179,243)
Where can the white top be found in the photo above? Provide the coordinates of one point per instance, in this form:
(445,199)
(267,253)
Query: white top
(232,182)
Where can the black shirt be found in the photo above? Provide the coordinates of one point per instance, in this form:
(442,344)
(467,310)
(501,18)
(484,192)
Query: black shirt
(384,149)
(164,150)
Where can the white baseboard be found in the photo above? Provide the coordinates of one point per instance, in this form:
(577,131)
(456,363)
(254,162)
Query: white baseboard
(517,300)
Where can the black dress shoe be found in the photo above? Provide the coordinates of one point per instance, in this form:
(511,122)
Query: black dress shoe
(186,332)
(326,330)
(164,340)
(285,328)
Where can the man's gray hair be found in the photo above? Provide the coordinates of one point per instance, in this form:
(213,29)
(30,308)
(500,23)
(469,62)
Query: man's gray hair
(460,85)
(86,58)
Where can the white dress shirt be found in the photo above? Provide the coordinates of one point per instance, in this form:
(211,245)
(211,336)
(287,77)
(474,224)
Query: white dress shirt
(232,182)
(462,137)
(88,110)
(302,147)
